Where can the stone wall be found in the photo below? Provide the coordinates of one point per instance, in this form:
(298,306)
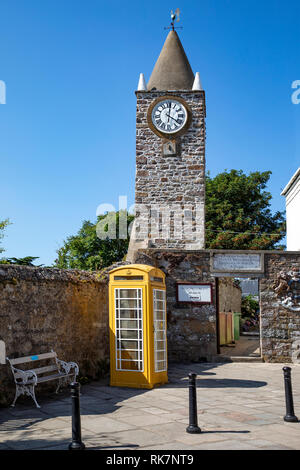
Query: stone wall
(280,307)
(230,295)
(64,310)
(191,328)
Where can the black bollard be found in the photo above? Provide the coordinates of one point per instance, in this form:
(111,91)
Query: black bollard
(193,427)
(76,443)
(290,415)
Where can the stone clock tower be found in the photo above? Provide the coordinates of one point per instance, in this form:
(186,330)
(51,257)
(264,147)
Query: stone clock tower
(170,155)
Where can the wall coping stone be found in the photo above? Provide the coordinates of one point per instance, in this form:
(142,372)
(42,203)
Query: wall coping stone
(31,273)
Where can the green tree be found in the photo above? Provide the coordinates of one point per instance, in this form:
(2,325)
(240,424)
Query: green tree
(89,252)
(27,261)
(3,225)
(238,215)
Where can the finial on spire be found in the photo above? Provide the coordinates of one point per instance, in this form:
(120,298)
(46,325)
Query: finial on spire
(142,83)
(197,82)
(174,16)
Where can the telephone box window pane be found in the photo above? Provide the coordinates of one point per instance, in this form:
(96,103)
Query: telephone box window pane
(159,335)
(128,294)
(160,294)
(129,329)
(128,303)
(160,355)
(129,334)
(160,345)
(130,365)
(129,324)
(129,355)
(129,344)
(160,326)
(159,304)
(162,365)
(129,314)
(160,315)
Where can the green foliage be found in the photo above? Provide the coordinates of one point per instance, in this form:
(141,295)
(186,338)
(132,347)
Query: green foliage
(238,215)
(3,225)
(250,306)
(89,252)
(27,261)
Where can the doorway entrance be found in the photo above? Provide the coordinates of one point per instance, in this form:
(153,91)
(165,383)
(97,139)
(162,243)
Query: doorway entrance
(238,318)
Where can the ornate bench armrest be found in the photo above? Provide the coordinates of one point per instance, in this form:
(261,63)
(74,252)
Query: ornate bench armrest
(67,366)
(26,376)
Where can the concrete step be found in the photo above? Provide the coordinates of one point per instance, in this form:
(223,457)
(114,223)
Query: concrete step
(250,333)
(246,359)
(223,358)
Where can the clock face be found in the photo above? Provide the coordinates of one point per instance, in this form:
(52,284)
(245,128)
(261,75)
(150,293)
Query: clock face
(169,116)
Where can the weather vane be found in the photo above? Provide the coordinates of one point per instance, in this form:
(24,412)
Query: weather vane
(174,16)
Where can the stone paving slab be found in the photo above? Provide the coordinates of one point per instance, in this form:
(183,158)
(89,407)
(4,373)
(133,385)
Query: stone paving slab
(240,407)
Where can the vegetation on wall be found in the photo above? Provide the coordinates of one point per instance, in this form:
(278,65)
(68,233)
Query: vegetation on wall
(27,261)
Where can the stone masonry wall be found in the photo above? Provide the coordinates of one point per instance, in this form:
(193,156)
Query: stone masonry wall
(191,328)
(64,310)
(175,181)
(280,307)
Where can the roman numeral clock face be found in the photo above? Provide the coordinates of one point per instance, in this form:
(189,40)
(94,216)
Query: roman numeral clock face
(169,116)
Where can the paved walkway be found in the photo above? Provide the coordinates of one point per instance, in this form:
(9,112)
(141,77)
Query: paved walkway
(245,346)
(240,406)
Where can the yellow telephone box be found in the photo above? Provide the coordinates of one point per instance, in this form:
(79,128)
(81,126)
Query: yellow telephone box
(138,327)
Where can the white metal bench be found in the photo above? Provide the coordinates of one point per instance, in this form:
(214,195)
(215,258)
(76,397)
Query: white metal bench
(26,380)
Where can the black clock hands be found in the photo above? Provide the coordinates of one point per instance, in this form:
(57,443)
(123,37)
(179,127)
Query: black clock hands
(172,118)
(169,112)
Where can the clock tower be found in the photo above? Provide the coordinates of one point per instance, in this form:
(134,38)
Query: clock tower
(170,155)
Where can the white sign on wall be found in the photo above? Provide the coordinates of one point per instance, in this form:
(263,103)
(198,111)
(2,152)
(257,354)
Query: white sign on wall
(237,262)
(197,293)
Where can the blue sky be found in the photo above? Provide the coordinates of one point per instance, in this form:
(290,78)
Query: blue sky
(67,130)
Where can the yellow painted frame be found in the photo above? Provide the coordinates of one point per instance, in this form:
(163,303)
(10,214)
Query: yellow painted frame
(148,378)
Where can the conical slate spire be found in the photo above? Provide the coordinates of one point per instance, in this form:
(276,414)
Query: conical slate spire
(172,70)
